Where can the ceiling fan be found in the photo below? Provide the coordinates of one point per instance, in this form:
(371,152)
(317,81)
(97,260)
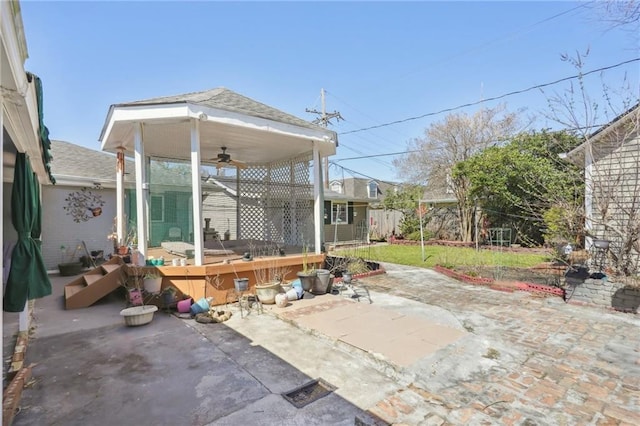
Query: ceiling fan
(223,159)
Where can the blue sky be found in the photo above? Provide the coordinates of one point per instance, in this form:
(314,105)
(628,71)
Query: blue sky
(379,62)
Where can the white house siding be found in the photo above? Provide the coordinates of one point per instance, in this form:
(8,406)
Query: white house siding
(221,208)
(616,177)
(58,228)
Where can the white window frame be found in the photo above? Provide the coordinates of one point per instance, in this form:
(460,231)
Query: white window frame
(375,195)
(161,210)
(342,204)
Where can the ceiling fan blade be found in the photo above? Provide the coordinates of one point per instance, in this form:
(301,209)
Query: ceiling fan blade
(238,164)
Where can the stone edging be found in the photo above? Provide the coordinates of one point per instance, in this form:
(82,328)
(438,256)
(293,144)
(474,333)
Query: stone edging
(21,376)
(500,285)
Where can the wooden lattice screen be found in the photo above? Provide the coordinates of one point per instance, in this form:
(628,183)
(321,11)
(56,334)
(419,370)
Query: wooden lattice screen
(276,203)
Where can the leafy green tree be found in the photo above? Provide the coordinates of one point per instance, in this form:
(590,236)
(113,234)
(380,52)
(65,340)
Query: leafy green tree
(518,183)
(456,138)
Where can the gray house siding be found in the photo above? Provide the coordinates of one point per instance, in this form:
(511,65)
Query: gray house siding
(616,194)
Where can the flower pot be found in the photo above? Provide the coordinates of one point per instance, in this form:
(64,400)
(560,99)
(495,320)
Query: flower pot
(307,279)
(281,300)
(138,315)
(201,306)
(241,284)
(152,285)
(292,294)
(135,297)
(184,306)
(69,269)
(267,292)
(168,298)
(321,282)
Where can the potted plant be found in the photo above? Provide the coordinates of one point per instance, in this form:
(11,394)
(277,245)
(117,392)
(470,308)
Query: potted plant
(68,265)
(152,282)
(308,274)
(139,313)
(269,279)
(355,266)
(169,296)
(122,247)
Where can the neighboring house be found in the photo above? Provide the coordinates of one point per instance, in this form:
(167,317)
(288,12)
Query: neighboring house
(442,209)
(84,177)
(345,218)
(357,203)
(611,161)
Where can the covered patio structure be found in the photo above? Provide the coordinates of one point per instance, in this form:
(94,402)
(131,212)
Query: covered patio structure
(274,163)
(255,171)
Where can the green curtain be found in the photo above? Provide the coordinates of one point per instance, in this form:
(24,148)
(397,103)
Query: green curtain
(28,277)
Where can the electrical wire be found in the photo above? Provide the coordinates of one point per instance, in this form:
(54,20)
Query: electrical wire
(494,98)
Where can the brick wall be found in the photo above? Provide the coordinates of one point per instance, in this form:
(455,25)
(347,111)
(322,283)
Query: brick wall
(608,294)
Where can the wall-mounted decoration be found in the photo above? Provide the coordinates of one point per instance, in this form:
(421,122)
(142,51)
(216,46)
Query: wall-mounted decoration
(84,204)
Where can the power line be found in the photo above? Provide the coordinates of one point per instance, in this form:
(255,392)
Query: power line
(379,155)
(324,120)
(353,173)
(515,92)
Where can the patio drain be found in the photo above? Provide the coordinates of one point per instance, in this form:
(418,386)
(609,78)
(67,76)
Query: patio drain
(308,392)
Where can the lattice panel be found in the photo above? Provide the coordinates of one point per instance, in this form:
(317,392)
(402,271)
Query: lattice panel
(276,202)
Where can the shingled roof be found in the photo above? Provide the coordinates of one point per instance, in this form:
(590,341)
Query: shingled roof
(75,162)
(227,100)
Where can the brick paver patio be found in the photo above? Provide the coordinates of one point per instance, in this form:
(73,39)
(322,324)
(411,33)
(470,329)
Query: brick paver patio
(545,362)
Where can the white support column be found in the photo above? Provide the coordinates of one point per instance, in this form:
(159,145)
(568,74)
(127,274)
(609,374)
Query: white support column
(121,225)
(142,189)
(238,207)
(196,187)
(318,200)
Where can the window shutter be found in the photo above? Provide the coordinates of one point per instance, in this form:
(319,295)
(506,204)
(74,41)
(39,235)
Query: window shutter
(327,212)
(350,212)
(170,207)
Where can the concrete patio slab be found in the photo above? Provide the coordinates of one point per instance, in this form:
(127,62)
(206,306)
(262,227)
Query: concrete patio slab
(504,358)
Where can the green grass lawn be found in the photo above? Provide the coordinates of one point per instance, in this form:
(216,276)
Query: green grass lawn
(451,257)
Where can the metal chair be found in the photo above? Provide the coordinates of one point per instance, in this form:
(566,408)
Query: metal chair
(598,252)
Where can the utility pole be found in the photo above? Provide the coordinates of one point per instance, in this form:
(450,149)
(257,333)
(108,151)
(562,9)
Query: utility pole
(324,120)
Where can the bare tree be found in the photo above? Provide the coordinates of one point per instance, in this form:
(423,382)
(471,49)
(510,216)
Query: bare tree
(456,138)
(619,13)
(610,156)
